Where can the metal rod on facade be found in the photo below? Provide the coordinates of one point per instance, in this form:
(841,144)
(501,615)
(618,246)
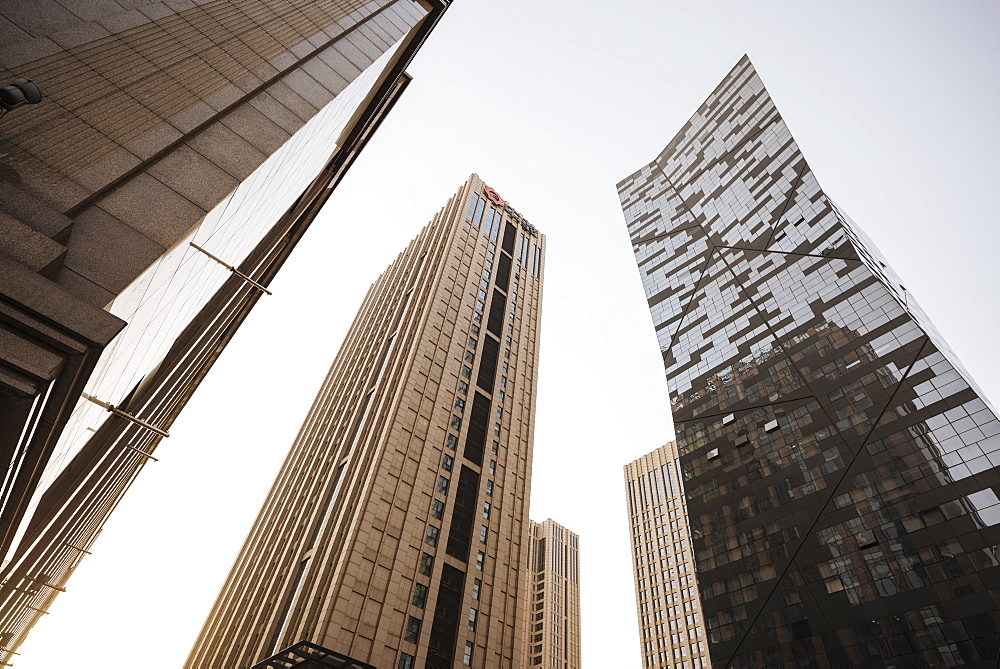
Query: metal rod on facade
(232,269)
(118,412)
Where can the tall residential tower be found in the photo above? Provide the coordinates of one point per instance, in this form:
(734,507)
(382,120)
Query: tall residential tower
(552,603)
(671,627)
(179,152)
(841,468)
(395,532)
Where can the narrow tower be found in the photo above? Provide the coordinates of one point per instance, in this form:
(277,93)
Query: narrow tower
(552,632)
(671,626)
(841,467)
(395,531)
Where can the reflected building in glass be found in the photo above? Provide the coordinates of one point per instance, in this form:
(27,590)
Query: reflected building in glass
(396,531)
(840,466)
(178,154)
(552,609)
(671,623)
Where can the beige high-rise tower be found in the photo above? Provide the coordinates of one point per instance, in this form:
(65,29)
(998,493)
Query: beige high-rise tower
(552,634)
(671,625)
(396,530)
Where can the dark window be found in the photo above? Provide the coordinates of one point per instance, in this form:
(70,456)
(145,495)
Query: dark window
(480,560)
(459,404)
(470,356)
(479,416)
(486,509)
(405,661)
(426,564)
(444,631)
(419,595)
(489,484)
(412,632)
(456,423)
(483,532)
(432,535)
(475,588)
(442,486)
(437,509)
(472,342)
(467,371)
(509,237)
(493,467)
(488,364)
(452,442)
(463,516)
(503,273)
(463,387)
(447,462)
(495,320)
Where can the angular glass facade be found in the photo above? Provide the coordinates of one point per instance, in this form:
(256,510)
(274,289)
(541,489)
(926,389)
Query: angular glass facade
(840,466)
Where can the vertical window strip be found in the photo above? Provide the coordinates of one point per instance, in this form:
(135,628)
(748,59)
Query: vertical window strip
(470,214)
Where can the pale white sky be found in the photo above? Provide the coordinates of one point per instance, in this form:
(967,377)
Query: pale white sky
(894,104)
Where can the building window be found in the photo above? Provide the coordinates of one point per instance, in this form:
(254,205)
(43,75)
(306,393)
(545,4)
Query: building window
(480,559)
(499,412)
(479,305)
(447,462)
(442,486)
(477,317)
(493,466)
(467,657)
(489,265)
(419,595)
(437,509)
(405,661)
(459,404)
(489,484)
(502,396)
(506,353)
(486,509)
(412,633)
(503,381)
(509,340)
(470,356)
(476,585)
(463,387)
(473,617)
(426,564)
(466,371)
(496,448)
(482,533)
(496,428)
(484,282)
(473,342)
(474,329)
(482,294)
(452,442)
(456,422)
(432,537)
(506,366)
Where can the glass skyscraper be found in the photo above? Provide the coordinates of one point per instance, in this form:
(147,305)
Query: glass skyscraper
(840,466)
(177,157)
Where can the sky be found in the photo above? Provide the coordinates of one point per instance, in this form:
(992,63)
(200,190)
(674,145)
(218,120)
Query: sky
(893,103)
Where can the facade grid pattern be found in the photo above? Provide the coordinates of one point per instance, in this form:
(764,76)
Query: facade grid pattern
(841,468)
